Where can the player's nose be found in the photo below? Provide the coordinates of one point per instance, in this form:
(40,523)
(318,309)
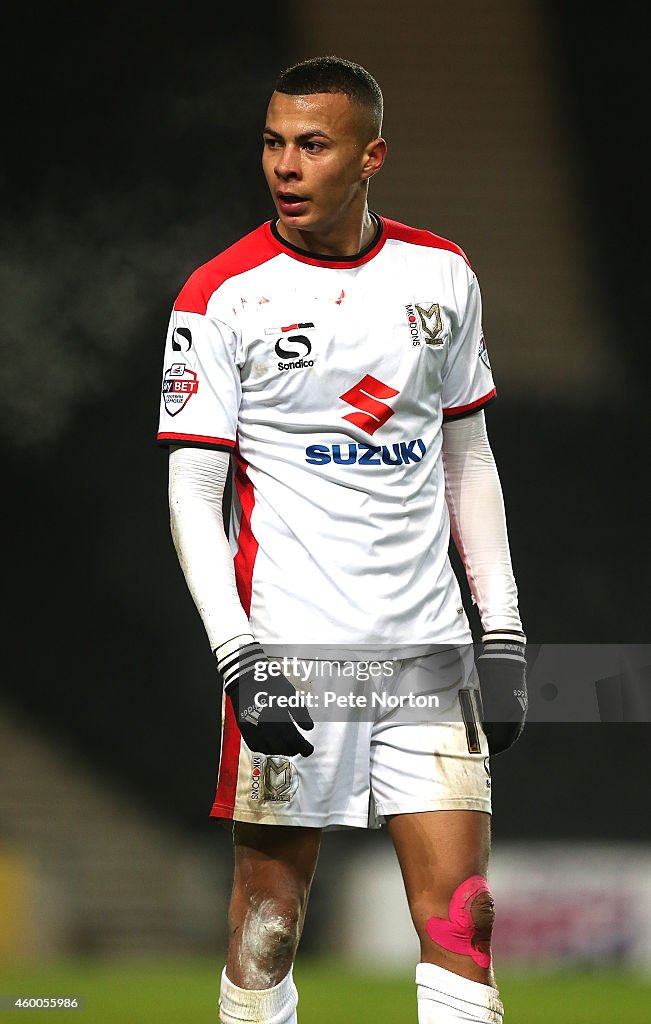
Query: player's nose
(288,165)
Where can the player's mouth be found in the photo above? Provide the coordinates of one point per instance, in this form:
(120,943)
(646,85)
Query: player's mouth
(291,204)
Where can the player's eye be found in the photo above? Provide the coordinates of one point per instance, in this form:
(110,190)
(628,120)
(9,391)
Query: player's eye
(271,143)
(313,147)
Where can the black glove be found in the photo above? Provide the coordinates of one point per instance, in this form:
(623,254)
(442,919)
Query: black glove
(265,727)
(502,669)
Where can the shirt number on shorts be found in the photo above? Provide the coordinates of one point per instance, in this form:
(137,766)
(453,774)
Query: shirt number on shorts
(470,721)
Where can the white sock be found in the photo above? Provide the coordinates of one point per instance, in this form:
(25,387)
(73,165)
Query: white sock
(447,998)
(275,1005)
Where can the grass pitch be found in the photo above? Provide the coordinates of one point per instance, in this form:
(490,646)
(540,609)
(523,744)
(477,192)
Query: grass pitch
(185,992)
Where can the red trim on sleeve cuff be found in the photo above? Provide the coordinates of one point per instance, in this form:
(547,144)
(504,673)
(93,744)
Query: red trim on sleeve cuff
(460,410)
(196,439)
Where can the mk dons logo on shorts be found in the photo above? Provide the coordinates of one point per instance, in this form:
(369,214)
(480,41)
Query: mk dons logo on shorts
(365,396)
(425,324)
(280,779)
(272,778)
(257,766)
(179,385)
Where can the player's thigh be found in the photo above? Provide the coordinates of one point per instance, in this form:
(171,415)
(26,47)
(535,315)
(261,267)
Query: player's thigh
(437,851)
(275,863)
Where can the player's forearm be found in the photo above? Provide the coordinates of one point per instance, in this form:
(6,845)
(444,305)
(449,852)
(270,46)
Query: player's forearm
(478,521)
(197,478)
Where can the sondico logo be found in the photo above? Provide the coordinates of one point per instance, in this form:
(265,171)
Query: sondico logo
(181,339)
(365,396)
(297,354)
(293,351)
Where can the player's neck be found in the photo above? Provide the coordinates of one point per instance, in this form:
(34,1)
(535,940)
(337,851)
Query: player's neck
(343,240)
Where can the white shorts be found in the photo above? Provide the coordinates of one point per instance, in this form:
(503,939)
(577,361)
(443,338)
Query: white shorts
(363,769)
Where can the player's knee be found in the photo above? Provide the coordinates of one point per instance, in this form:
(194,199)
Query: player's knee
(281,933)
(270,932)
(482,911)
(468,929)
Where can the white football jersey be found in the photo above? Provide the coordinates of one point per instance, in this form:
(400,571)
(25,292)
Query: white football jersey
(329,380)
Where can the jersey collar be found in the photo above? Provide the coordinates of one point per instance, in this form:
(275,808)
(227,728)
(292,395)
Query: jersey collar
(334,262)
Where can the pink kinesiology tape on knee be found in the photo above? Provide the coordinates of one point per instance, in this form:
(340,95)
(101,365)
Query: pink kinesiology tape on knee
(457,933)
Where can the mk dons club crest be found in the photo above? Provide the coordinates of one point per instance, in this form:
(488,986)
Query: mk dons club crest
(179,385)
(425,324)
(280,779)
(431,327)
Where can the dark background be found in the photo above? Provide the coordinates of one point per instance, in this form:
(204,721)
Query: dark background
(132,156)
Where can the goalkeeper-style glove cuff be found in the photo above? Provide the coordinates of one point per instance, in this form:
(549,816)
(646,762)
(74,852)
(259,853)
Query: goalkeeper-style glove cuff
(502,670)
(504,643)
(267,723)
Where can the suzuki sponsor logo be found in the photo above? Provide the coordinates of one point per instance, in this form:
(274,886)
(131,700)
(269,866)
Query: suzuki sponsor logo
(400,453)
(365,396)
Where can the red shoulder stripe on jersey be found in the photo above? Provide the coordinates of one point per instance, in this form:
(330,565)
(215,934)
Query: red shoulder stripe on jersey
(196,439)
(462,410)
(229,764)
(419,236)
(251,251)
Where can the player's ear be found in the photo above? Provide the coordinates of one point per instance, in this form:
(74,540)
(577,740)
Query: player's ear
(374,156)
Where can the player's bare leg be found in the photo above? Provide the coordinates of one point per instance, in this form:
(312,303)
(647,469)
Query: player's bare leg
(437,851)
(274,867)
(444,858)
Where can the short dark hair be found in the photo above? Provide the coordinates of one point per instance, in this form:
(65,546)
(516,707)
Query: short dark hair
(334,74)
